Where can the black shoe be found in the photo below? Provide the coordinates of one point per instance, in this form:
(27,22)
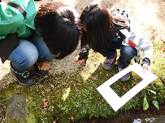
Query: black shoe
(24,78)
(40,73)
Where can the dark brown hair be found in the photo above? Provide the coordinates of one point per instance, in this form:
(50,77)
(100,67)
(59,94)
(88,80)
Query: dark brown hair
(58,28)
(97,28)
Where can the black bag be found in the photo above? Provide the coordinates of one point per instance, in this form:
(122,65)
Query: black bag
(7,45)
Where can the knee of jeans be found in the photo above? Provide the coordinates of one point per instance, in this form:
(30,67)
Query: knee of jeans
(128,53)
(25,62)
(24,57)
(30,61)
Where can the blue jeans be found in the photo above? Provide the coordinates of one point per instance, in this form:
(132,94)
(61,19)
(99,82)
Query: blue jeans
(27,53)
(126,55)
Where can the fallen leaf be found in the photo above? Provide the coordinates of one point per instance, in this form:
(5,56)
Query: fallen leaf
(125,88)
(163,49)
(93,77)
(84,81)
(66,93)
(45,104)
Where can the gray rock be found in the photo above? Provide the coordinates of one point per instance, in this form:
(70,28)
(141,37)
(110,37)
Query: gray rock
(16,110)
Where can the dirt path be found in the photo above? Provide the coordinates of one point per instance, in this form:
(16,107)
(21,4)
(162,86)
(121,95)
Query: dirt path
(148,15)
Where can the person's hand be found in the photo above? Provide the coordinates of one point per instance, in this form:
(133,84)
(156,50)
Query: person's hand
(44,65)
(146,67)
(80,61)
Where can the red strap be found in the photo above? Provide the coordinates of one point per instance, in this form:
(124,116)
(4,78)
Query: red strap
(131,43)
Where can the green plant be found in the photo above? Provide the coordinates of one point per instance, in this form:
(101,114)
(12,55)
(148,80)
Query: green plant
(154,102)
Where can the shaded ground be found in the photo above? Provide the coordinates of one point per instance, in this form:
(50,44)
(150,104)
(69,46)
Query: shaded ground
(133,116)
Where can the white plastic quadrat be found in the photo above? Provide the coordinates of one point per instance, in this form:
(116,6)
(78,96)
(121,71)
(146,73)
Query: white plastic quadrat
(112,98)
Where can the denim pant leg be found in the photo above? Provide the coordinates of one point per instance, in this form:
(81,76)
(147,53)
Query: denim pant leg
(126,54)
(23,56)
(43,50)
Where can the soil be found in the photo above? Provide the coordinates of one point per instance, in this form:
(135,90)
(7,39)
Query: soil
(133,116)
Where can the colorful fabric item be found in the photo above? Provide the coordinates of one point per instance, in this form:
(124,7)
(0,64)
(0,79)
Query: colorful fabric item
(123,24)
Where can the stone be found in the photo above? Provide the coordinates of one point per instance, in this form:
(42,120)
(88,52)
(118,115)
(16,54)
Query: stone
(16,110)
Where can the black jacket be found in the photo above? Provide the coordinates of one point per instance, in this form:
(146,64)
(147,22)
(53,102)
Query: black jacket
(7,45)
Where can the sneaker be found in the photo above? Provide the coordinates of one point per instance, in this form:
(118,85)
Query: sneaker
(125,77)
(108,63)
(23,78)
(40,73)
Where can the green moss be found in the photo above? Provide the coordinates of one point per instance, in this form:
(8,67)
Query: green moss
(70,98)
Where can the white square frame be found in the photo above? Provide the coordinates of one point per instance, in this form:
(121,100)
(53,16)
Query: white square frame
(112,98)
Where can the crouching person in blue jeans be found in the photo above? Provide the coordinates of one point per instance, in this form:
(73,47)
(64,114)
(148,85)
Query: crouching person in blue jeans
(22,44)
(106,31)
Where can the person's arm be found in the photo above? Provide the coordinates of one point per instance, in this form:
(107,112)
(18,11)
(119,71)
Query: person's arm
(147,48)
(140,44)
(84,47)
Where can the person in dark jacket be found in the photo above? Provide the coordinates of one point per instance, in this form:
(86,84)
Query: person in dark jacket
(106,31)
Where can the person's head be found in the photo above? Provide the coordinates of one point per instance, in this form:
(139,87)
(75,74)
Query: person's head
(96,23)
(57,25)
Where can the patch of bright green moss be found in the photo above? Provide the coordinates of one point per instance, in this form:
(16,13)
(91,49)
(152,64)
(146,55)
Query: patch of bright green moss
(71,98)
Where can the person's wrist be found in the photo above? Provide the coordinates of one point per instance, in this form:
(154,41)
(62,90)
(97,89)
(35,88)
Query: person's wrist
(83,54)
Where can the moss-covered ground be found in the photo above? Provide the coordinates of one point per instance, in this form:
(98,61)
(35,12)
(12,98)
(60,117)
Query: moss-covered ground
(68,98)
